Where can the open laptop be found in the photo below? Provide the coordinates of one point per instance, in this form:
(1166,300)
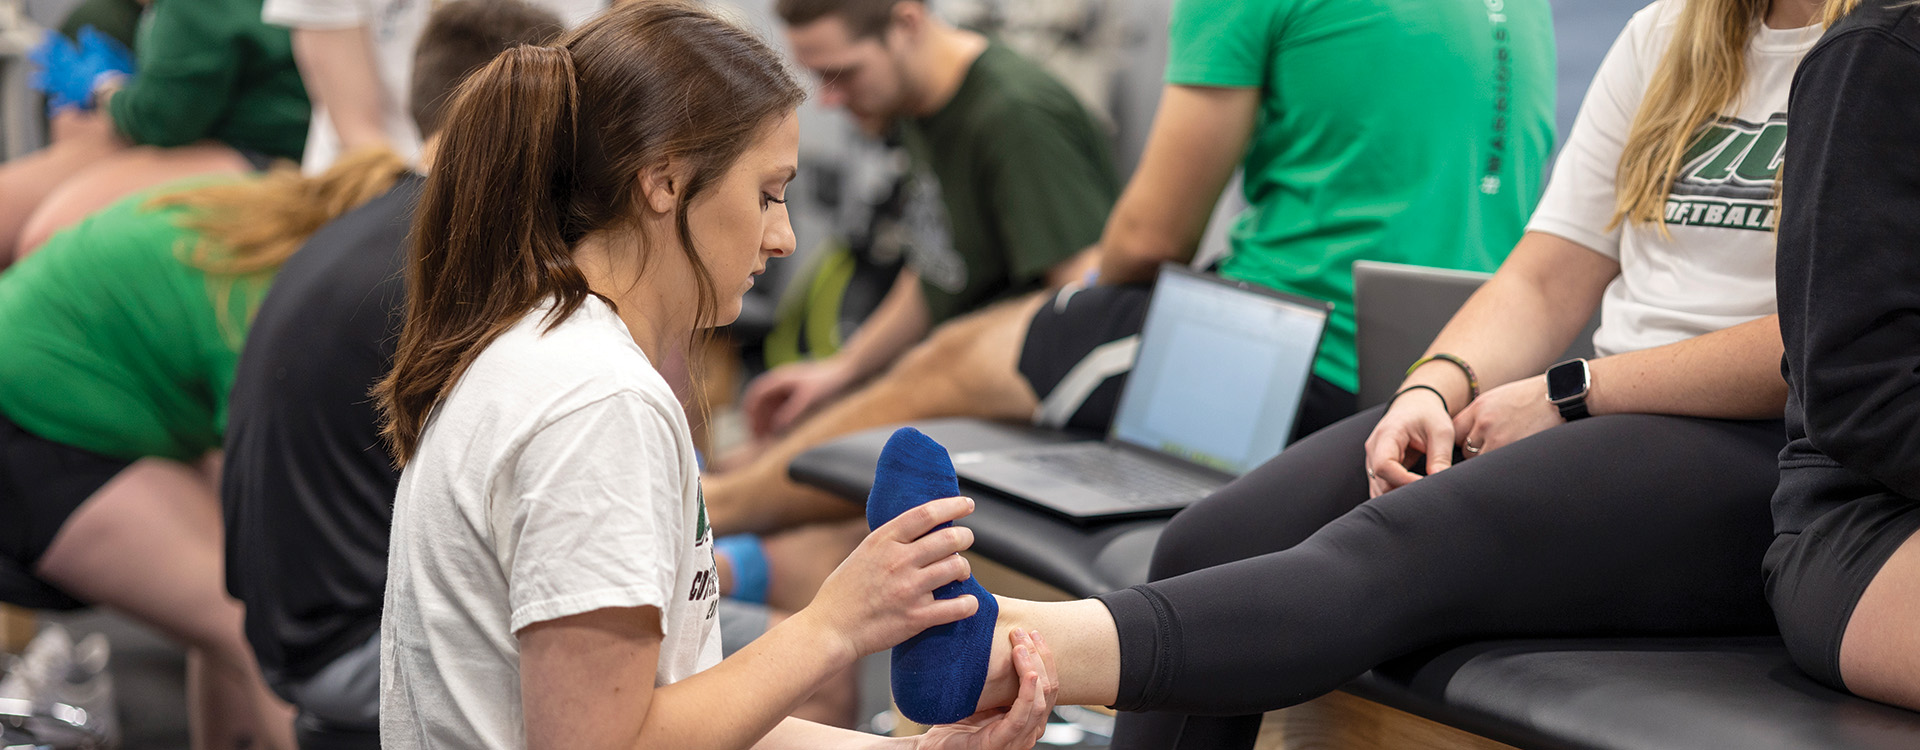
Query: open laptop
(1216,387)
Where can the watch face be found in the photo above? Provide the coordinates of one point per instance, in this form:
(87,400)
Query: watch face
(1567,380)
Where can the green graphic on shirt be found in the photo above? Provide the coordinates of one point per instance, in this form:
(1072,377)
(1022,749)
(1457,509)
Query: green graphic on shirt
(1727,178)
(700,529)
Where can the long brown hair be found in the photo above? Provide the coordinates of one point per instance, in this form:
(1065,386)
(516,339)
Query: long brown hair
(1702,73)
(243,230)
(544,146)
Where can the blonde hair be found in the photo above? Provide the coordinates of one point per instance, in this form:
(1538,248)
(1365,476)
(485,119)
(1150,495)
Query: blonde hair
(1702,73)
(244,230)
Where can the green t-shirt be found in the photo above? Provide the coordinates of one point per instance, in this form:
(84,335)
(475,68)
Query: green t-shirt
(212,69)
(1024,174)
(109,342)
(1409,131)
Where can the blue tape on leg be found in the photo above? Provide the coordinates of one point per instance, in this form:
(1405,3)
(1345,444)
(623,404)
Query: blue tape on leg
(749,560)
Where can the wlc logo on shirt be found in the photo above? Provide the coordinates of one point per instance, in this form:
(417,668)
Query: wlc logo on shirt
(1727,176)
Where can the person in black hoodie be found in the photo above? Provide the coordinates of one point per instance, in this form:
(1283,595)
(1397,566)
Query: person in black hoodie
(1843,573)
(308,485)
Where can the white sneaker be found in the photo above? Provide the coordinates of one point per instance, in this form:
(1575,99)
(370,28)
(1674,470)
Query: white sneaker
(65,681)
(31,675)
(88,686)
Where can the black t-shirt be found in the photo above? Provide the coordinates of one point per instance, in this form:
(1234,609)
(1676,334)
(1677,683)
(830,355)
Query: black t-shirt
(1848,273)
(308,486)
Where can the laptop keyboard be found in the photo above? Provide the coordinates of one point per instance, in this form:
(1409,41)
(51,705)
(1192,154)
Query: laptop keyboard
(1125,478)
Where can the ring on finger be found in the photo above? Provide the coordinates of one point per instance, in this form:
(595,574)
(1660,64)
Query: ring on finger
(1469,448)
(1370,474)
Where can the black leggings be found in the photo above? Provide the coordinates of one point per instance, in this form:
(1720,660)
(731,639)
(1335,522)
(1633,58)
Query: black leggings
(1289,582)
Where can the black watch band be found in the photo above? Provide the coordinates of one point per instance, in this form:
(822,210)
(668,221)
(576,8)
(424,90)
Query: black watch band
(1567,387)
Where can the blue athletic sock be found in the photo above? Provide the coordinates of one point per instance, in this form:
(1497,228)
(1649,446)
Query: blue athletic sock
(938,674)
(749,560)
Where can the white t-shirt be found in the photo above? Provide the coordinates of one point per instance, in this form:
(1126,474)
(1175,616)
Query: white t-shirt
(557,477)
(394,26)
(1716,268)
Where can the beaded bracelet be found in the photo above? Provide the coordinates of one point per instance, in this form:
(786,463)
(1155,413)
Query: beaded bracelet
(1435,391)
(1473,380)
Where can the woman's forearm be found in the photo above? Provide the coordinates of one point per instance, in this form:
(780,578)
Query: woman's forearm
(1733,373)
(1521,319)
(798,734)
(742,700)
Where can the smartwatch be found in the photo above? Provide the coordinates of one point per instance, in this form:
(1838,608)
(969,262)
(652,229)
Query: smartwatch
(1567,386)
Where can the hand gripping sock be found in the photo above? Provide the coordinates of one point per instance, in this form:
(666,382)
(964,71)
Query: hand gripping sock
(938,674)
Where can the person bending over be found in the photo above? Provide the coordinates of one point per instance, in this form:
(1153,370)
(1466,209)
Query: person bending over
(1635,505)
(1437,165)
(307,485)
(551,583)
(117,349)
(1843,574)
(1014,175)
(214,91)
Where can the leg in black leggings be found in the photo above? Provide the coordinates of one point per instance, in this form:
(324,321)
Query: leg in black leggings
(1289,582)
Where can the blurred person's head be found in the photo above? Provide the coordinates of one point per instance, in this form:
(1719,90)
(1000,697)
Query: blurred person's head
(648,149)
(460,37)
(870,55)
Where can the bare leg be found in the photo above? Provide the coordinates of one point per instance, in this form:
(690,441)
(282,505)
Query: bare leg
(149,544)
(27,181)
(1086,650)
(1880,653)
(118,176)
(798,561)
(966,368)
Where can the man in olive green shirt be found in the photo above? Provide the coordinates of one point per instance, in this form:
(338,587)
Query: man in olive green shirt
(1011,176)
(1413,131)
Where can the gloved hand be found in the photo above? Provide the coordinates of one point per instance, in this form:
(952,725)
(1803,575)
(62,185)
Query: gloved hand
(67,72)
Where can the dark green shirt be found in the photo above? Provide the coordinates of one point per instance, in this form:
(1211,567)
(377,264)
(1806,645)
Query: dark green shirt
(1024,174)
(210,69)
(110,343)
(1409,131)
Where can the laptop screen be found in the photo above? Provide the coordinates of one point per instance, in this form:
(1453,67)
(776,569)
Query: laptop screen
(1221,371)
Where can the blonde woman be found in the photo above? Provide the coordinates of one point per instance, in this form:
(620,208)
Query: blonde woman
(117,348)
(1636,501)
(1844,573)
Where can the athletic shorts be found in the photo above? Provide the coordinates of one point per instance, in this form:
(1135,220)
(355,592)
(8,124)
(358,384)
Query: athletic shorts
(1815,577)
(41,483)
(1080,347)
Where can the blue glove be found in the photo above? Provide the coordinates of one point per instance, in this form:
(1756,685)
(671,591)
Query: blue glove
(66,72)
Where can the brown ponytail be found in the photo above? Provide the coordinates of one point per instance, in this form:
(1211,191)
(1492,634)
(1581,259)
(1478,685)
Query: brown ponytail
(544,146)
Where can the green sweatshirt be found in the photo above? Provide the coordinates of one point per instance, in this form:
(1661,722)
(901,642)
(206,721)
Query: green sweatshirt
(210,69)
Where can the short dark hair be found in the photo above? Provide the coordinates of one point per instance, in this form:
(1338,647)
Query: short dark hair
(462,36)
(864,18)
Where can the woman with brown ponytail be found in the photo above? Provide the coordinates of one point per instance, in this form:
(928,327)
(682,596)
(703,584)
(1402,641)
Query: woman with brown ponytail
(1635,501)
(594,206)
(118,342)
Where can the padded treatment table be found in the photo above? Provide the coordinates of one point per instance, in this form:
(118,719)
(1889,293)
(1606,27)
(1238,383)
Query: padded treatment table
(1600,694)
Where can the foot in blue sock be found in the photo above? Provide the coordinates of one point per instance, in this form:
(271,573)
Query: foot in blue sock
(938,674)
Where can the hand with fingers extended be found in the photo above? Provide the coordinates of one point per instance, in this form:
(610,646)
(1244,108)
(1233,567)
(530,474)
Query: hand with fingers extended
(1504,416)
(1416,425)
(1018,726)
(882,594)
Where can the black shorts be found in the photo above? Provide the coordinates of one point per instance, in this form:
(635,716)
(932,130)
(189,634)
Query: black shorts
(41,484)
(1815,577)
(1074,326)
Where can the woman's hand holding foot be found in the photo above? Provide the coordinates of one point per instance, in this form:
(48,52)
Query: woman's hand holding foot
(883,593)
(1019,725)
